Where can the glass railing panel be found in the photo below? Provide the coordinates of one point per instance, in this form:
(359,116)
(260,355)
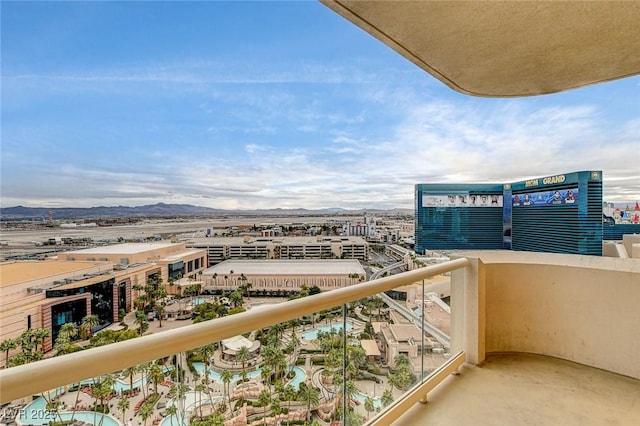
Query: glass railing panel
(401,349)
(432,304)
(347,362)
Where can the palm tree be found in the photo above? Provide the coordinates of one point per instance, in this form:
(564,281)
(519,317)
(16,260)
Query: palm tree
(216,419)
(274,357)
(160,311)
(264,399)
(179,390)
(243,375)
(369,405)
(354,419)
(206,352)
(145,412)
(144,369)
(171,411)
(63,345)
(226,377)
(243,356)
(278,330)
(157,376)
(69,329)
(357,357)
(89,322)
(6,346)
(53,405)
(293,344)
(289,394)
(310,395)
(236,298)
(123,405)
(26,342)
(130,372)
(401,360)
(40,334)
(265,374)
(141,319)
(199,388)
(351,390)
(275,408)
(102,389)
(387,397)
(244,286)
(172,282)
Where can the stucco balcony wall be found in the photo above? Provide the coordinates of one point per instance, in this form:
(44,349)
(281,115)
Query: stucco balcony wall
(579,308)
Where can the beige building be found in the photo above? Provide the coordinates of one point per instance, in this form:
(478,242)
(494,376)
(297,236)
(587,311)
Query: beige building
(99,281)
(319,247)
(266,276)
(48,294)
(232,345)
(174,260)
(405,338)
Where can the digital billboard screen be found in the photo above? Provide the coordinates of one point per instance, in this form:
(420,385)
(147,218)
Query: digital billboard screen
(546,198)
(459,199)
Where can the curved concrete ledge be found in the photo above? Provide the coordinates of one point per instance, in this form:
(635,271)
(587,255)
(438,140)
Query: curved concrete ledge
(579,308)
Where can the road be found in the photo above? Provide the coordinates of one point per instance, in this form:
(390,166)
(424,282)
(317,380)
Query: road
(437,334)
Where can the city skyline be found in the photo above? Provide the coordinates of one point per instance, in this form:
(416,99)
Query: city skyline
(253,105)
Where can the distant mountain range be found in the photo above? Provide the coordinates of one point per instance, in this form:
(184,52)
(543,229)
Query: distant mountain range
(171,210)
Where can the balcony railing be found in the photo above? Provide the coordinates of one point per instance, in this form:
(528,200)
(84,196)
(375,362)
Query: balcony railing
(53,373)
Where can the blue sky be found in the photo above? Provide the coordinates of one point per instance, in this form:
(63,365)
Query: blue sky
(265,105)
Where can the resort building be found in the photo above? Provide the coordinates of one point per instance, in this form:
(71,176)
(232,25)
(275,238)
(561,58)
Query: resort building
(232,345)
(99,281)
(48,294)
(173,260)
(556,214)
(269,276)
(220,249)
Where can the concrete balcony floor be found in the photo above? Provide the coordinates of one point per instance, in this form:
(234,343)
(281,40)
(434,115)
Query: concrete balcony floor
(524,389)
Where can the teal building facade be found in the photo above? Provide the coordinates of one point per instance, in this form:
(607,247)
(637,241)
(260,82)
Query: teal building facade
(556,214)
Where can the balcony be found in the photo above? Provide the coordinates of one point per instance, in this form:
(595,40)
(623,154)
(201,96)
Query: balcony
(517,389)
(536,338)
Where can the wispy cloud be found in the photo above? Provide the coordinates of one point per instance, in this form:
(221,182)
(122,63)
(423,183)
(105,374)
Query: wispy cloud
(249,123)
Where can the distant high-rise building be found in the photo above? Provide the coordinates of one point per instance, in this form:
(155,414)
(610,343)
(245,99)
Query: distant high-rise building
(559,214)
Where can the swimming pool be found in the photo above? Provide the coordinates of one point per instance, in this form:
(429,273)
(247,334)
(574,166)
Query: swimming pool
(214,375)
(36,414)
(377,403)
(300,374)
(313,334)
(198,301)
(120,385)
(300,377)
(191,402)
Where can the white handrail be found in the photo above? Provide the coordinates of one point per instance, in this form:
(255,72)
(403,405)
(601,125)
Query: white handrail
(25,380)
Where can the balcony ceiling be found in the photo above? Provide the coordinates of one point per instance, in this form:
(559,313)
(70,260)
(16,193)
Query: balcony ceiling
(507,48)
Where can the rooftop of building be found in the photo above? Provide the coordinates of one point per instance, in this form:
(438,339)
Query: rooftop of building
(18,272)
(287,267)
(85,282)
(370,347)
(181,255)
(126,248)
(306,240)
(405,332)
